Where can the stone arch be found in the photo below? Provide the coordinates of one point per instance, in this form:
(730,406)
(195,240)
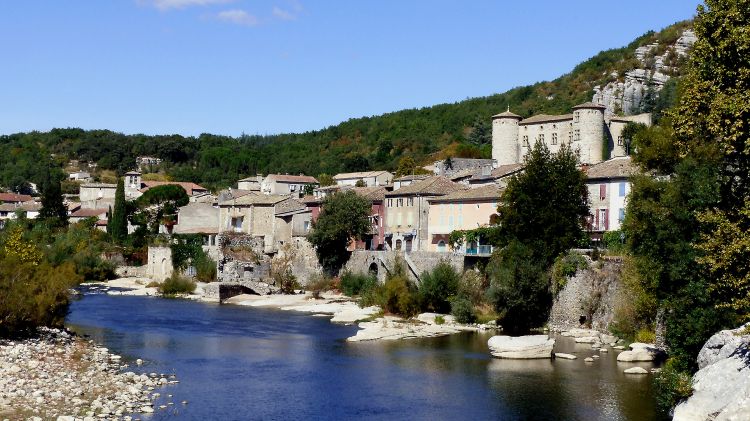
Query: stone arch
(373,269)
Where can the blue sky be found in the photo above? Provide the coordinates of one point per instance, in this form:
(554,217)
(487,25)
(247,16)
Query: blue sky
(258,66)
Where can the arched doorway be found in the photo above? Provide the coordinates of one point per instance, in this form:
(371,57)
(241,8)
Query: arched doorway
(408,244)
(441,246)
(373,269)
(398,245)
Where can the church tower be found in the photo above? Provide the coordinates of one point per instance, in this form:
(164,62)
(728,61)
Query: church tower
(505,146)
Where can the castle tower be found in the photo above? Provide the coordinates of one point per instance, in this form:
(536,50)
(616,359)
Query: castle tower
(505,149)
(588,132)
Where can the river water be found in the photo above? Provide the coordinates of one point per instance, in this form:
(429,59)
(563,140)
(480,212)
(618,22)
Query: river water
(237,363)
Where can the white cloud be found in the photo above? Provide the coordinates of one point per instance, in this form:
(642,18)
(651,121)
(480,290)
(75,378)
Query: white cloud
(181,4)
(283,14)
(239,17)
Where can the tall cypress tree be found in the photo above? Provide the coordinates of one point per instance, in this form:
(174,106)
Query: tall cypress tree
(118,224)
(53,207)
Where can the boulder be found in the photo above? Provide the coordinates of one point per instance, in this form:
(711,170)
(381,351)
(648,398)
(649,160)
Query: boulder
(521,347)
(565,356)
(429,318)
(608,339)
(721,388)
(588,360)
(587,339)
(580,333)
(640,352)
(636,370)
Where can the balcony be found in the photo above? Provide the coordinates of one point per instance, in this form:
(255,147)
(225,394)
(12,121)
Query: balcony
(485,250)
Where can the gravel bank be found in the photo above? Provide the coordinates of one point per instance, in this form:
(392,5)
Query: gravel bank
(57,375)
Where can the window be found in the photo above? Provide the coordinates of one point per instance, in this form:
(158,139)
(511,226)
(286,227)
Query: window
(541,137)
(441,245)
(621,216)
(577,135)
(398,244)
(622,189)
(390,202)
(410,201)
(570,137)
(619,141)
(526,141)
(577,116)
(399,219)
(602,191)
(554,138)
(306,226)
(400,202)
(410,218)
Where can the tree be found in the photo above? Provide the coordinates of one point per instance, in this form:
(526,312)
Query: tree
(158,205)
(53,208)
(481,132)
(344,217)
(325,180)
(119,221)
(437,287)
(356,163)
(544,207)
(360,183)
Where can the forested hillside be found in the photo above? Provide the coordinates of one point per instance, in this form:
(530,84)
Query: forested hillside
(460,129)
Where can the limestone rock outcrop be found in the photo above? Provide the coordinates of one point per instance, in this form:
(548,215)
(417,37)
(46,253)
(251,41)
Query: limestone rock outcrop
(640,352)
(721,388)
(521,347)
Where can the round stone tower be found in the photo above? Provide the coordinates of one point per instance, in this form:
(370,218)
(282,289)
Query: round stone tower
(505,143)
(588,127)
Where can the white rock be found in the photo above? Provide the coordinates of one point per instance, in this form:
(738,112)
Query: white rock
(603,350)
(580,333)
(587,339)
(565,356)
(429,318)
(636,370)
(521,347)
(588,360)
(146,409)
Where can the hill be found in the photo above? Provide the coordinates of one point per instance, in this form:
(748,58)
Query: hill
(459,129)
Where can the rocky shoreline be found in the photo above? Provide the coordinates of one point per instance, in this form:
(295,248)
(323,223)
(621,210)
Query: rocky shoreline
(58,375)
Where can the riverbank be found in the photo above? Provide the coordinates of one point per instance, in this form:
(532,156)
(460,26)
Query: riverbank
(58,375)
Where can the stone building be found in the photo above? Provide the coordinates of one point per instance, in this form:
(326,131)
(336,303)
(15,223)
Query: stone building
(287,184)
(594,136)
(369,178)
(406,211)
(97,195)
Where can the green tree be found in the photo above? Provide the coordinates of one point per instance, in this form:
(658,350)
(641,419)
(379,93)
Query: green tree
(344,217)
(436,288)
(53,208)
(325,180)
(544,207)
(119,221)
(481,132)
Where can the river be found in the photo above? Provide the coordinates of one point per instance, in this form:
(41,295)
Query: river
(237,363)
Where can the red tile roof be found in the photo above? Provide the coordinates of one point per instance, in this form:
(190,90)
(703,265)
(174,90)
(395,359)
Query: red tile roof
(14,198)
(284,178)
(190,188)
(88,213)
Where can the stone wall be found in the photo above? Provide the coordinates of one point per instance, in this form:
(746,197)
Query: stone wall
(131,271)
(382,262)
(590,295)
(159,265)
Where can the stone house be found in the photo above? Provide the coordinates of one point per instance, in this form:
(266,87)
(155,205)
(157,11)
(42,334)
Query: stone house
(454,166)
(608,185)
(79,176)
(498,176)
(369,178)
(375,238)
(203,219)
(14,199)
(250,183)
(97,195)
(406,211)
(406,180)
(462,210)
(83,214)
(276,184)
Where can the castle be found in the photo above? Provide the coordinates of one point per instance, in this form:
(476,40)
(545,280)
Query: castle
(587,130)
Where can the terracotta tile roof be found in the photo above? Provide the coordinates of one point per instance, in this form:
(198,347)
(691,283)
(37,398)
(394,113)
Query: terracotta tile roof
(544,118)
(373,194)
(506,114)
(31,206)
(88,213)
(14,198)
(488,193)
(621,167)
(289,205)
(433,186)
(310,200)
(254,199)
(284,178)
(190,188)
(412,177)
(589,105)
(8,207)
(363,174)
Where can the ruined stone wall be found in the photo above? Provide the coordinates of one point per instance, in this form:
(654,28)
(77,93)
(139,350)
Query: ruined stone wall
(159,266)
(591,294)
(383,262)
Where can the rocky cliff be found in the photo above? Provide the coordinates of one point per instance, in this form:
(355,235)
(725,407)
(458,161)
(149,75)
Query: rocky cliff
(657,64)
(721,387)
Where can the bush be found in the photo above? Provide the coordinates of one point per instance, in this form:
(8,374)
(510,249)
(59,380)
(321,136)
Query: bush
(473,285)
(205,268)
(33,295)
(439,320)
(645,336)
(399,296)
(672,386)
(564,267)
(437,287)
(319,283)
(635,307)
(354,283)
(463,310)
(176,284)
(613,241)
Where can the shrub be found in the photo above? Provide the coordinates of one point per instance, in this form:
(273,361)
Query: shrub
(205,268)
(473,285)
(635,307)
(672,386)
(319,283)
(439,320)
(645,336)
(33,294)
(399,296)
(564,267)
(463,310)
(437,287)
(354,283)
(176,284)
(613,241)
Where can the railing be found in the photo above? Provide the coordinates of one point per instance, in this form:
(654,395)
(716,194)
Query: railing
(485,250)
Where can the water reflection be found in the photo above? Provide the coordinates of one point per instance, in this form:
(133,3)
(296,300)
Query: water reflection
(248,363)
